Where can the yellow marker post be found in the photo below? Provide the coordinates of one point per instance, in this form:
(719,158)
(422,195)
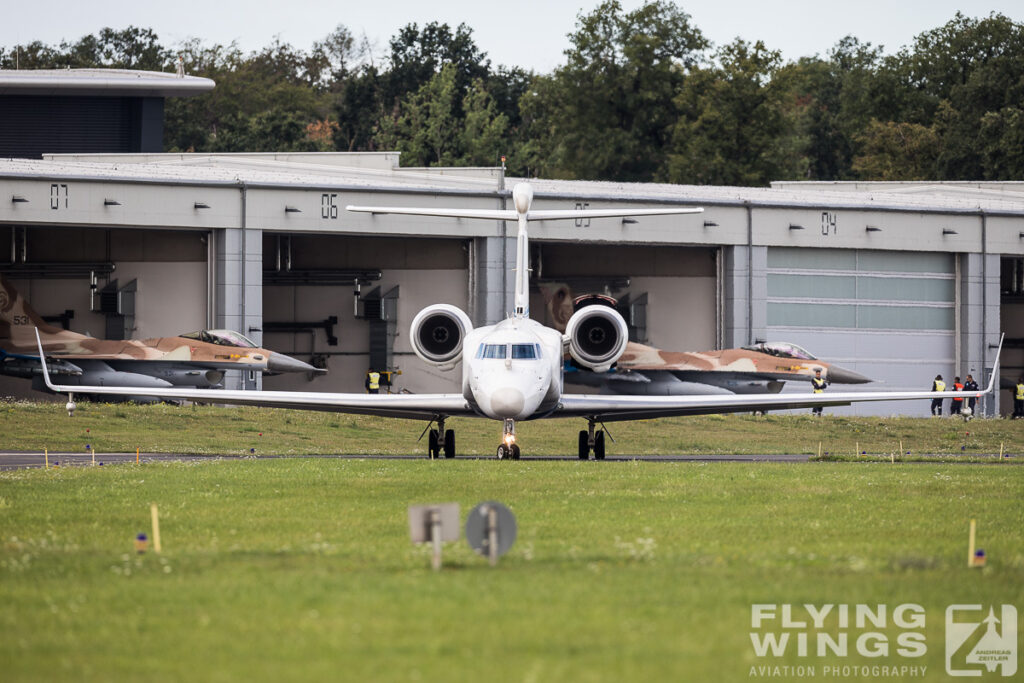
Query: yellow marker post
(46,458)
(1000,449)
(857,453)
(970,544)
(901,447)
(156,528)
(819,450)
(93,456)
(137,462)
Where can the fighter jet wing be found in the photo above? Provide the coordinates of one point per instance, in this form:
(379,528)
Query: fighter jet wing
(619,408)
(412,406)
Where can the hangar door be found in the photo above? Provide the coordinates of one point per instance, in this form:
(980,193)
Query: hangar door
(311,309)
(888,315)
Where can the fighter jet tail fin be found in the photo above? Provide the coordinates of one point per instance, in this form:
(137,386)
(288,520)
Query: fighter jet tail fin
(17,317)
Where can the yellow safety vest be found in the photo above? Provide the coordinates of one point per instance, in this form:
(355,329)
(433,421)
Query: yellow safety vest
(1020,391)
(374,380)
(818,384)
(940,385)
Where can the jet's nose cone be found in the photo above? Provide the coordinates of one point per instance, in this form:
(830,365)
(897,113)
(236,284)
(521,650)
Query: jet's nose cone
(507,402)
(278,362)
(839,375)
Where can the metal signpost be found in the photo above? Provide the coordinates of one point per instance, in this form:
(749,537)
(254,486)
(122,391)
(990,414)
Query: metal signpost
(491,530)
(434,524)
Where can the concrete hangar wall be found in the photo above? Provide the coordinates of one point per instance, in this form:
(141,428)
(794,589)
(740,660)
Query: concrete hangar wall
(899,286)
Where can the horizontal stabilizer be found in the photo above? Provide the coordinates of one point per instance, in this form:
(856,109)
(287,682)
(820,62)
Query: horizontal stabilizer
(509,215)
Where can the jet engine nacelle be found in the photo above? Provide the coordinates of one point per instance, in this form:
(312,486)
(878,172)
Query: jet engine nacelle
(438,333)
(596,336)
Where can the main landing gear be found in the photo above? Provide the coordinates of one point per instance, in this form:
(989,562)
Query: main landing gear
(441,440)
(509,449)
(591,439)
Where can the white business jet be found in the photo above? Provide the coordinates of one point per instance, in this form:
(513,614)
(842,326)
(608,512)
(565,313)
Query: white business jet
(512,370)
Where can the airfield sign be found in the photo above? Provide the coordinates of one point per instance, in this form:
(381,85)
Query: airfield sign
(434,524)
(491,530)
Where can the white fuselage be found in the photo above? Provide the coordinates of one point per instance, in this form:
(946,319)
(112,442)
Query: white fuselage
(513,370)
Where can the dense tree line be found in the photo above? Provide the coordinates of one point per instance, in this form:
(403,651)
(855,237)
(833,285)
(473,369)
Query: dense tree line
(642,96)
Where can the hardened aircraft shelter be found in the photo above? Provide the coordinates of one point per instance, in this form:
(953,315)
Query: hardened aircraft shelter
(898,281)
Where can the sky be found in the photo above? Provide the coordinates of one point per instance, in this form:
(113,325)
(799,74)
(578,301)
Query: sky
(527,33)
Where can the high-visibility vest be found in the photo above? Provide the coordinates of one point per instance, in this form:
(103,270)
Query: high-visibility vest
(940,385)
(1020,391)
(374,380)
(818,384)
(957,387)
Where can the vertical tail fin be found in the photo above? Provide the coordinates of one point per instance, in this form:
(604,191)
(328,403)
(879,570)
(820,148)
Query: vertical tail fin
(18,318)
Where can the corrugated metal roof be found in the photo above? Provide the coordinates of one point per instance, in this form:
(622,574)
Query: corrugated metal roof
(264,170)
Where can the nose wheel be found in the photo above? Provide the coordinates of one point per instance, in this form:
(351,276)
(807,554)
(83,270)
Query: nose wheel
(508,449)
(591,439)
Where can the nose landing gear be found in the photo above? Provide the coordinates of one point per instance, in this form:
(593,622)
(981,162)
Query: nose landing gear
(591,439)
(509,449)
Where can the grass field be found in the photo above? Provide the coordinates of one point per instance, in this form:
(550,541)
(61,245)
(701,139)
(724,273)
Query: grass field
(234,431)
(301,569)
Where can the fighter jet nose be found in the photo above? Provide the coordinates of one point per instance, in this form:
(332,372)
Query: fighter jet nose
(838,375)
(278,362)
(507,402)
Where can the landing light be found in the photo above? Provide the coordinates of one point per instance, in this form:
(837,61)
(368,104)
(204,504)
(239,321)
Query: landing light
(510,439)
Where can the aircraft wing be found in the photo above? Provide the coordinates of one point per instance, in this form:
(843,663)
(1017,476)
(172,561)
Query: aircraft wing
(619,408)
(411,406)
(511,215)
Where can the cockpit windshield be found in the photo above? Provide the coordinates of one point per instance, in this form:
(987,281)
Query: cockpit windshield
(782,350)
(526,351)
(222,338)
(501,351)
(493,351)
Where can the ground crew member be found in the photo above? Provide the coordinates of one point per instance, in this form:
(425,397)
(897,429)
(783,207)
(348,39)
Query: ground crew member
(971,385)
(373,382)
(1018,399)
(819,385)
(937,385)
(956,405)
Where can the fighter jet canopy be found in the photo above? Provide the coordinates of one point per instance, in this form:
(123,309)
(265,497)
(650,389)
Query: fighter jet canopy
(782,350)
(222,337)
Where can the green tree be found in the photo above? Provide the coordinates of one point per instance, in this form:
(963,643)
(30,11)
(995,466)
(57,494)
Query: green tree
(951,78)
(417,55)
(257,95)
(424,125)
(128,48)
(732,121)
(1002,144)
(485,131)
(269,131)
(612,108)
(897,151)
(829,102)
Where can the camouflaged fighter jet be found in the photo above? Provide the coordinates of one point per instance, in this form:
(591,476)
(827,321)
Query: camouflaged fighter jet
(646,371)
(198,359)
